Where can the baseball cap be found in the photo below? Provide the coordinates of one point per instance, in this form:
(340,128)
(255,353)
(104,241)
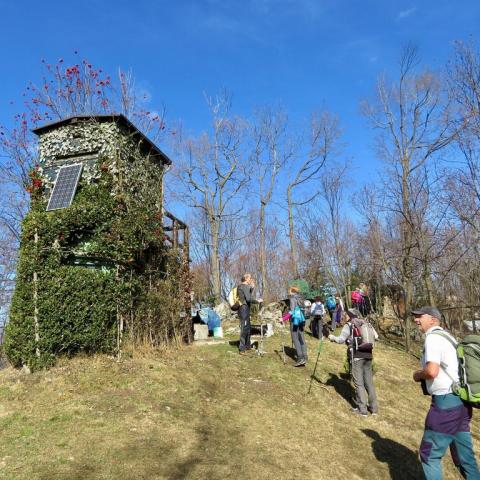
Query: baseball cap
(427,310)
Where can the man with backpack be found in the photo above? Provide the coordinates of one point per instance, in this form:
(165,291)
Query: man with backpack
(360,337)
(448,419)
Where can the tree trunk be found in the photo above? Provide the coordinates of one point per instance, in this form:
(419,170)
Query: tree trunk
(291,233)
(215,262)
(263,256)
(407,263)
(427,281)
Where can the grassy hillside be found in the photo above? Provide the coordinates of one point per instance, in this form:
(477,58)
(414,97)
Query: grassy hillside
(204,412)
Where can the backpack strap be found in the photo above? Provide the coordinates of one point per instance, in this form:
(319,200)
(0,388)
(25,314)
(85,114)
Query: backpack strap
(446,335)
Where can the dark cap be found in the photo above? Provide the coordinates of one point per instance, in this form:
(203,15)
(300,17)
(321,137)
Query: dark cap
(427,310)
(354,313)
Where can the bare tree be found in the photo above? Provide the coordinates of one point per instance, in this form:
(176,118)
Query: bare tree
(414,121)
(324,136)
(462,183)
(213,175)
(272,150)
(64,91)
(341,263)
(464,82)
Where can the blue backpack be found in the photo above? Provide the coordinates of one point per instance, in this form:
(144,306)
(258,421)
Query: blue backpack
(330,303)
(297,316)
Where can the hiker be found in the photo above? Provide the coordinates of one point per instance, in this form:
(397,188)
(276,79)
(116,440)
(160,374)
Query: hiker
(331,305)
(297,331)
(448,419)
(246,299)
(364,305)
(365,398)
(356,298)
(317,311)
(338,313)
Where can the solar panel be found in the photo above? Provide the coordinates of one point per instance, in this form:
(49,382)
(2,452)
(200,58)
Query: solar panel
(65,187)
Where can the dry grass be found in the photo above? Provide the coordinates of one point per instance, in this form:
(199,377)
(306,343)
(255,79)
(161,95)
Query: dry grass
(204,412)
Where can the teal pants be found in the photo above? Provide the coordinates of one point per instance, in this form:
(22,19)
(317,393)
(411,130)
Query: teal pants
(448,426)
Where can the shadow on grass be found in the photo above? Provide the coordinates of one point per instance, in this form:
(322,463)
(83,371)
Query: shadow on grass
(290,352)
(286,352)
(402,462)
(342,386)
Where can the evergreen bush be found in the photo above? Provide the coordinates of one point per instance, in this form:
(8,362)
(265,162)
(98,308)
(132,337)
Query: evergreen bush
(101,267)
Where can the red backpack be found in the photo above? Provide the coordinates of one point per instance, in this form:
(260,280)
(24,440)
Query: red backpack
(356,297)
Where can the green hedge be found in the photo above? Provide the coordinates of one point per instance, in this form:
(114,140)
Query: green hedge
(76,312)
(78,306)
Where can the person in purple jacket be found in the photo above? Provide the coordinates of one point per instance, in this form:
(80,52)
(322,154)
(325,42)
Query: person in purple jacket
(338,313)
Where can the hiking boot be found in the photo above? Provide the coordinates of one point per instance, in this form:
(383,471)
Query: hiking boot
(245,353)
(300,363)
(356,411)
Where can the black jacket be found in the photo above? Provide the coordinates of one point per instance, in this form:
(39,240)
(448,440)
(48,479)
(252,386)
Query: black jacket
(245,294)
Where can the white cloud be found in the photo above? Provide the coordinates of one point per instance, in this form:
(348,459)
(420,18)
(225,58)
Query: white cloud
(406,13)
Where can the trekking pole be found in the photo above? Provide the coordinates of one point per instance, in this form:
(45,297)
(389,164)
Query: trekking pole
(319,350)
(260,350)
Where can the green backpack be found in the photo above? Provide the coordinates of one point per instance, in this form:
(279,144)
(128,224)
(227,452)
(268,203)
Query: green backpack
(468,355)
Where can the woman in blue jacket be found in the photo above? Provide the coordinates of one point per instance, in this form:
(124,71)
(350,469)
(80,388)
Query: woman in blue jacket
(297,331)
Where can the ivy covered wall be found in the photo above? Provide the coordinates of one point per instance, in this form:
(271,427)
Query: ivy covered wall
(97,272)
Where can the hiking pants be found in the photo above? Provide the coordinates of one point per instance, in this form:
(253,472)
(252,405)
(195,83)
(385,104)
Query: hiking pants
(364,389)
(337,318)
(448,425)
(334,322)
(298,338)
(316,325)
(244,316)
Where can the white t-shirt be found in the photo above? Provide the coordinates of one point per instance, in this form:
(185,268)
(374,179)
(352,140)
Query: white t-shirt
(439,350)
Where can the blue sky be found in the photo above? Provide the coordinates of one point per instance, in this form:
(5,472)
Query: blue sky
(302,53)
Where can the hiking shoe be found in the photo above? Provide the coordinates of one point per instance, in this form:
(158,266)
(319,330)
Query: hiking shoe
(300,363)
(356,411)
(244,353)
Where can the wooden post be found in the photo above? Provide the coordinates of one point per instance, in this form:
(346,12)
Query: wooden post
(119,322)
(175,234)
(35,300)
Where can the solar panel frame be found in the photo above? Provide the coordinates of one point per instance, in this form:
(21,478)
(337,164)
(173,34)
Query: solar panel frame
(65,186)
